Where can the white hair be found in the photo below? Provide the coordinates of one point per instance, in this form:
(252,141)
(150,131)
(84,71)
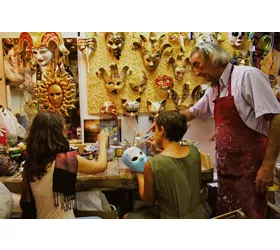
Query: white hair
(213,53)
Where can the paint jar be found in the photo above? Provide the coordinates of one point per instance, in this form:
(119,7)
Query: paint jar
(119,151)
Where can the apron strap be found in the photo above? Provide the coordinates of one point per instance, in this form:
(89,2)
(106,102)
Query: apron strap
(229,81)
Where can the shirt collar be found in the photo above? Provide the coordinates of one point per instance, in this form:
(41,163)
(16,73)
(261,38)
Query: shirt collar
(225,76)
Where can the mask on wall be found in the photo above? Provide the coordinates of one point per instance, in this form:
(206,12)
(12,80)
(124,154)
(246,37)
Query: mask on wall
(115,43)
(179,101)
(179,37)
(116,81)
(212,37)
(131,108)
(179,66)
(108,108)
(155,108)
(151,56)
(236,38)
(56,95)
(241,58)
(164,82)
(135,159)
(199,91)
(140,87)
(263,43)
(31,43)
(87,46)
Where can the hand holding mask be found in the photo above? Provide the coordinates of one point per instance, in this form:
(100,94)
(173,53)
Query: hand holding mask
(135,159)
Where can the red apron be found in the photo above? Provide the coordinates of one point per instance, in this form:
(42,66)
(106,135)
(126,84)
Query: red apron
(239,155)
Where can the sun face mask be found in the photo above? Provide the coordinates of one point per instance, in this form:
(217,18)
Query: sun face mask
(135,159)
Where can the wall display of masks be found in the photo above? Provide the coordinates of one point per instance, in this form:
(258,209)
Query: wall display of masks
(130,67)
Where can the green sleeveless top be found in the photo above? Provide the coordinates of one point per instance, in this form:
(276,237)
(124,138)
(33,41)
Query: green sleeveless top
(177,185)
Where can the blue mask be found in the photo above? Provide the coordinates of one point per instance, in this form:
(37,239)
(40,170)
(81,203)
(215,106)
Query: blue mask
(135,159)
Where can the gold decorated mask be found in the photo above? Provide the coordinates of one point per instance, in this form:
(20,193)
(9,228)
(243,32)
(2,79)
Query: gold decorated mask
(115,43)
(179,66)
(56,94)
(151,56)
(140,87)
(116,81)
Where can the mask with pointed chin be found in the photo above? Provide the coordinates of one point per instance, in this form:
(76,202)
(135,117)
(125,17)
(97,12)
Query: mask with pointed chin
(135,159)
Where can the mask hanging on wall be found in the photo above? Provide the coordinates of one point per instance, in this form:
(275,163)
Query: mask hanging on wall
(131,108)
(108,108)
(140,87)
(179,37)
(135,159)
(199,91)
(164,82)
(155,108)
(212,37)
(56,95)
(115,43)
(241,58)
(87,46)
(179,66)
(116,81)
(179,101)
(151,56)
(236,38)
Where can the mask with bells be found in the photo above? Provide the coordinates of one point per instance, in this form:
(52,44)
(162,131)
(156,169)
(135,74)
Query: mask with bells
(135,159)
(236,38)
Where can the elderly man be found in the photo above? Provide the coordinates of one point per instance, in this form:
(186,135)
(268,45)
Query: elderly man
(247,122)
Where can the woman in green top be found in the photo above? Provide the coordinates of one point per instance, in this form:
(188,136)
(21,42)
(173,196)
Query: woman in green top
(172,177)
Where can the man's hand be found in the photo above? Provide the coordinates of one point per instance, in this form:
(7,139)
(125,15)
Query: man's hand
(264,179)
(150,143)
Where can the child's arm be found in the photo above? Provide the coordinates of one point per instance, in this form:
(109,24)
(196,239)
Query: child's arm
(146,185)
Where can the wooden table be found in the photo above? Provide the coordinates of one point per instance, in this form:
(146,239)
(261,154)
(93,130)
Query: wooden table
(116,176)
